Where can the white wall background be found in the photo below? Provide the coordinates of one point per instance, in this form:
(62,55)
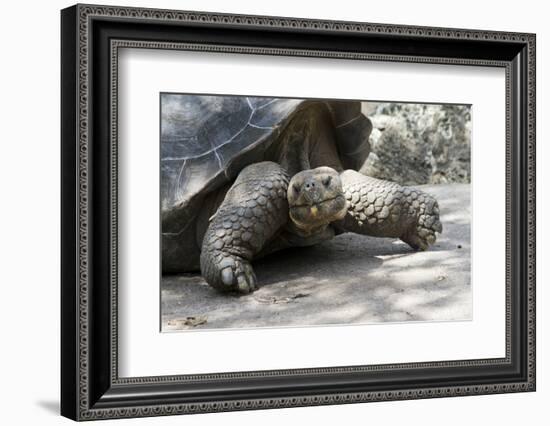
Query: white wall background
(29,211)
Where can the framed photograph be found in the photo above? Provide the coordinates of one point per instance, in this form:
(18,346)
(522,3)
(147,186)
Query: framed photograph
(263,212)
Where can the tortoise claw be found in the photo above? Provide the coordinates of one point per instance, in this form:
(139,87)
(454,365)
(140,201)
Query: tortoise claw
(422,235)
(233,273)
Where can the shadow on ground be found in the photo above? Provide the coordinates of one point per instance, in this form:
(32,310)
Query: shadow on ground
(350,279)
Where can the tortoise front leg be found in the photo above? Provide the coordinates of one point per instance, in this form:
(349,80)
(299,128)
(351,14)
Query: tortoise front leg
(254,209)
(386,209)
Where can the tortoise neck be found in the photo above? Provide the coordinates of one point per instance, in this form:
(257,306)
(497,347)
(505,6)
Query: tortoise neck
(308,141)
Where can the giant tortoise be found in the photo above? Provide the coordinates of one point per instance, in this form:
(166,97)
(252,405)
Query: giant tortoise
(242,177)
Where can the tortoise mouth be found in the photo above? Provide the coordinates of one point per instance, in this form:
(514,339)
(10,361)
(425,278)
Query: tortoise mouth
(312,215)
(316,204)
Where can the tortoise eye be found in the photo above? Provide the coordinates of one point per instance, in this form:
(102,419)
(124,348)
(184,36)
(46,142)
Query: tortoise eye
(326,181)
(296,188)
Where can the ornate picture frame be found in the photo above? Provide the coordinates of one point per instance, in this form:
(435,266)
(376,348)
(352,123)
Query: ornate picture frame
(91,37)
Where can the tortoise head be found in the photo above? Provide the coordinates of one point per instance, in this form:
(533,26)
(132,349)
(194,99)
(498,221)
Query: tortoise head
(315,198)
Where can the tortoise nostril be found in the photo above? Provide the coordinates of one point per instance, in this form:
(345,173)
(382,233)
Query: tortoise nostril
(310,185)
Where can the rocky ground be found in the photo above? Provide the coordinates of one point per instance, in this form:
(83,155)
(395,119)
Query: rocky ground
(351,279)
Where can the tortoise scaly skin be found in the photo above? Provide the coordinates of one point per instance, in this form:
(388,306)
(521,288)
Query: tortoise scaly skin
(253,210)
(385,209)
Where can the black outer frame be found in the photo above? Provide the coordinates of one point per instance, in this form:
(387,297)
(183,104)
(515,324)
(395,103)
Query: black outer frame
(90,387)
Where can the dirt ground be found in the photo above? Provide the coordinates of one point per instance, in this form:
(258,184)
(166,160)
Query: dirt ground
(350,279)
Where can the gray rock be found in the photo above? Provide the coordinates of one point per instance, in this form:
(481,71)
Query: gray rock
(416,144)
